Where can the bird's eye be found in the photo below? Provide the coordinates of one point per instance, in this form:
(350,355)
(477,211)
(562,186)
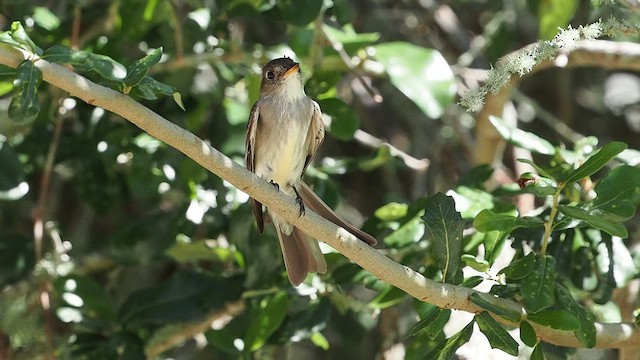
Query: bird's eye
(270,75)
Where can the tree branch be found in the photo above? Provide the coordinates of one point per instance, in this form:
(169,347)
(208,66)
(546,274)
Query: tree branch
(443,295)
(603,54)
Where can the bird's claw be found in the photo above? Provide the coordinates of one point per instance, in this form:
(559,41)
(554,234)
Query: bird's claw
(275,185)
(299,202)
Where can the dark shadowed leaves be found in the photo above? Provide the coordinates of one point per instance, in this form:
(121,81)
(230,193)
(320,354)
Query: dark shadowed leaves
(538,287)
(537,353)
(12,173)
(498,337)
(299,12)
(447,348)
(25,105)
(528,334)
(186,296)
(520,268)
(444,227)
(587,331)
(487,302)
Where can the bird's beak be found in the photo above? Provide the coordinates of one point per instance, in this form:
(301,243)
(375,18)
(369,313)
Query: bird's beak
(294,70)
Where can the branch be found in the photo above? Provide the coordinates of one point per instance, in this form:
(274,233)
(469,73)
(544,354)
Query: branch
(603,54)
(415,284)
(162,341)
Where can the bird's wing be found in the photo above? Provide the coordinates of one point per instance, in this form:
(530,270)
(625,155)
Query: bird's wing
(249,160)
(315,135)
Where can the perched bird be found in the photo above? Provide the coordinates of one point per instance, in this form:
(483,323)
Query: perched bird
(284,133)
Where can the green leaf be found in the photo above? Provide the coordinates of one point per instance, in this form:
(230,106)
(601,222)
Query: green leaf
(421,74)
(538,288)
(538,185)
(537,353)
(139,69)
(619,192)
(45,18)
(587,331)
(186,251)
(472,281)
(106,67)
(64,55)
(596,161)
(475,263)
(344,121)
(299,12)
(498,337)
(521,268)
(493,241)
(521,138)
(426,320)
(447,348)
(5,38)
(538,168)
(266,320)
(320,341)
(488,220)
(387,297)
(471,201)
(595,219)
(19,35)
(25,105)
(528,334)
(444,232)
(556,319)
(7,71)
(485,301)
(391,211)
(349,38)
(408,233)
(554,14)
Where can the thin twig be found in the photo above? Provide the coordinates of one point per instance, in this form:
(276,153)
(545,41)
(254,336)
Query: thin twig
(75,27)
(337,46)
(373,142)
(188,331)
(549,119)
(178,37)
(38,229)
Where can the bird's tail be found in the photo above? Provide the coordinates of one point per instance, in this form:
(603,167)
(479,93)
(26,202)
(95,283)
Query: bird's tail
(313,202)
(301,255)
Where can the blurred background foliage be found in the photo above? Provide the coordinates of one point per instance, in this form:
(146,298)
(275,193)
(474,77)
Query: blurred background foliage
(113,245)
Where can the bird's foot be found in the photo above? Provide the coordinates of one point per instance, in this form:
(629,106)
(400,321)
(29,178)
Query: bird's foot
(299,201)
(275,185)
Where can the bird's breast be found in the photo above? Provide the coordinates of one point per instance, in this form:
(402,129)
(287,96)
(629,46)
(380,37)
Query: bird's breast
(282,142)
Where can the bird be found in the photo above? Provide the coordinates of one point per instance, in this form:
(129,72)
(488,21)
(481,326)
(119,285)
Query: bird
(284,131)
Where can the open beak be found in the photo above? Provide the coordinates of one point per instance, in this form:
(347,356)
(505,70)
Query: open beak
(294,70)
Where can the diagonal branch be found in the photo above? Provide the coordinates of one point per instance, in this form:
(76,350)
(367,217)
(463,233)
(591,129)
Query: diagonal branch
(443,295)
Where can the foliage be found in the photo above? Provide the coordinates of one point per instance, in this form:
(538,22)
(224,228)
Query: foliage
(137,245)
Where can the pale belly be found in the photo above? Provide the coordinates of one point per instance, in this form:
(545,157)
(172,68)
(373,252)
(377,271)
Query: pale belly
(281,159)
